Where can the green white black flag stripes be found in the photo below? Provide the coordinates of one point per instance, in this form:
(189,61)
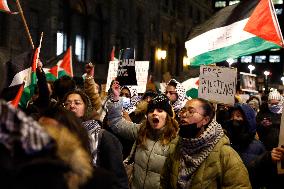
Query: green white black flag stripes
(248,27)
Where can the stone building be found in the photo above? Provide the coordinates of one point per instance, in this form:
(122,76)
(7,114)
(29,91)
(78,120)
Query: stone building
(93,27)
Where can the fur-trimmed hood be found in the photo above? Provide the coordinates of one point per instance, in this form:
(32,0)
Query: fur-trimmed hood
(71,152)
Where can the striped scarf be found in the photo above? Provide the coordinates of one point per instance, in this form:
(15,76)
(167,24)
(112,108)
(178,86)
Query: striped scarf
(194,151)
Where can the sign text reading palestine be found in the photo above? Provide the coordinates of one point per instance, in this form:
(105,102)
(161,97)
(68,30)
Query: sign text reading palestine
(217,84)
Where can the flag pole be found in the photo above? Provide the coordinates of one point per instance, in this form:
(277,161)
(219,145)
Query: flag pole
(276,20)
(25,23)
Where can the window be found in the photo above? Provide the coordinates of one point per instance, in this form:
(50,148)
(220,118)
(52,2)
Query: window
(274,58)
(233,2)
(278,2)
(260,59)
(246,59)
(80,48)
(278,11)
(219,4)
(61,42)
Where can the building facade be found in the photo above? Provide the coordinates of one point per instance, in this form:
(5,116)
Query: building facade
(93,27)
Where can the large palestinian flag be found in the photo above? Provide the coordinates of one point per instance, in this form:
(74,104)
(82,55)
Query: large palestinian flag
(244,28)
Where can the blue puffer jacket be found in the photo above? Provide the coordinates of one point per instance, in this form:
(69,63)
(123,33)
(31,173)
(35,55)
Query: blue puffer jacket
(255,148)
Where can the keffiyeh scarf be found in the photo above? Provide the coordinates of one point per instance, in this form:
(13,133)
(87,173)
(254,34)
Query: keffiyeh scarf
(194,151)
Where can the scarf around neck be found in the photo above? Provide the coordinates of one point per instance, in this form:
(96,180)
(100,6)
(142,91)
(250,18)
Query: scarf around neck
(194,151)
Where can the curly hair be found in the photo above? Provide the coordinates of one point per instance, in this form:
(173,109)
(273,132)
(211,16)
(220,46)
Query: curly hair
(169,132)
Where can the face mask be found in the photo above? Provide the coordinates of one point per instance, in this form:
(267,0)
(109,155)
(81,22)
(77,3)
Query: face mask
(188,131)
(276,108)
(237,132)
(125,102)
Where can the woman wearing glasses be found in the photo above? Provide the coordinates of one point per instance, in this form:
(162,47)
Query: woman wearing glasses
(105,147)
(203,157)
(155,137)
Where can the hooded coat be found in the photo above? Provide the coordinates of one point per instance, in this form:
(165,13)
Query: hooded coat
(149,161)
(250,149)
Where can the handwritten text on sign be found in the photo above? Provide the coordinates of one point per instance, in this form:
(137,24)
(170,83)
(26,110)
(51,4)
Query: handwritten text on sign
(217,84)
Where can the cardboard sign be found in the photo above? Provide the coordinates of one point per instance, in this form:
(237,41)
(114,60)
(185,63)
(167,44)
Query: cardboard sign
(126,74)
(280,165)
(141,69)
(248,82)
(217,84)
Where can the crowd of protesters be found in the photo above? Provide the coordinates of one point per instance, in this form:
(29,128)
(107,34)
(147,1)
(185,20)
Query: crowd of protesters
(72,135)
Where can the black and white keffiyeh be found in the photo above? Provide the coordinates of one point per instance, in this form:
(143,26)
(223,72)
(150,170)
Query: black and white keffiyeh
(194,151)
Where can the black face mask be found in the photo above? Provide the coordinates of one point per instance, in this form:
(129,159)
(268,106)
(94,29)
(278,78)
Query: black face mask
(238,132)
(188,131)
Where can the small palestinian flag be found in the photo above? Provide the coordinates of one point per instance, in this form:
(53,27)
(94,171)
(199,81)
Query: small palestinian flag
(4,7)
(244,28)
(191,87)
(59,66)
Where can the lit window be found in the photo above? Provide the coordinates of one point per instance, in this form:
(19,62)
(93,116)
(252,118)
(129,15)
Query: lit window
(80,48)
(219,4)
(233,2)
(246,59)
(61,43)
(260,59)
(279,11)
(278,2)
(274,58)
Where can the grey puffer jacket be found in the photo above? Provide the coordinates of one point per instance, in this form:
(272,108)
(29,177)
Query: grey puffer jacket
(149,161)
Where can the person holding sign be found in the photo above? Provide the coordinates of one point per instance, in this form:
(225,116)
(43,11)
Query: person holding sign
(203,157)
(155,137)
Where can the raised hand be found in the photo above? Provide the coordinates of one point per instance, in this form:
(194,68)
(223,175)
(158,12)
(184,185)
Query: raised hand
(89,69)
(277,154)
(115,90)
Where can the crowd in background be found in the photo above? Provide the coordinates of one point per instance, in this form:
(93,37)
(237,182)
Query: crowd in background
(74,135)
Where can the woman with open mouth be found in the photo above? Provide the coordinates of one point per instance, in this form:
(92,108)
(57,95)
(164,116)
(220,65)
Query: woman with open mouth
(155,137)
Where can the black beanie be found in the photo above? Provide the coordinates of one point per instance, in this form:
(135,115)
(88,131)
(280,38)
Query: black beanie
(160,101)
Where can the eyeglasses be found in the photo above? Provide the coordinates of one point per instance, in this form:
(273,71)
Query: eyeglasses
(125,94)
(189,111)
(170,92)
(67,104)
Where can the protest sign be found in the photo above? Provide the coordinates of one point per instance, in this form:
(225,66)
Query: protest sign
(126,74)
(217,84)
(280,165)
(248,82)
(141,69)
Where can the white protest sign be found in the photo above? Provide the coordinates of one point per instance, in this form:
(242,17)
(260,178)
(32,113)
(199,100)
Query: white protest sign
(141,69)
(217,84)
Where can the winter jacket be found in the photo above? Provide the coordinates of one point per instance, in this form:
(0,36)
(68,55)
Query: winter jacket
(148,161)
(251,148)
(268,135)
(223,168)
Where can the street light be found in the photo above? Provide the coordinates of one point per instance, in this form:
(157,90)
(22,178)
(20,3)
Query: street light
(230,61)
(266,73)
(282,79)
(186,61)
(161,54)
(251,68)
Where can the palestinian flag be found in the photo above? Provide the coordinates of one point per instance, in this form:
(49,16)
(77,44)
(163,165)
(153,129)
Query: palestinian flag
(59,66)
(19,69)
(191,87)
(4,7)
(244,28)
(15,102)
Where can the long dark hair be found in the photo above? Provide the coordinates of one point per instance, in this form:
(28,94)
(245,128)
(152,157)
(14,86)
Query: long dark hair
(169,132)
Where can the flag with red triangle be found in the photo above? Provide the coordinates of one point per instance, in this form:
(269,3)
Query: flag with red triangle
(65,66)
(191,87)
(240,29)
(15,102)
(112,54)
(59,66)
(4,7)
